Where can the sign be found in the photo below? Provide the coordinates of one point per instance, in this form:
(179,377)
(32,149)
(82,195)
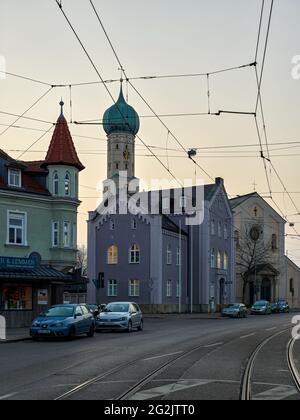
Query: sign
(17,263)
(42,297)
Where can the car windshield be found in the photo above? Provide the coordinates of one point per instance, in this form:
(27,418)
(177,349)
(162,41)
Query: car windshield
(117,307)
(233,306)
(261,303)
(60,311)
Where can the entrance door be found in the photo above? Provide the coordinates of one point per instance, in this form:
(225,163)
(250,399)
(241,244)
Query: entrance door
(251,293)
(266,290)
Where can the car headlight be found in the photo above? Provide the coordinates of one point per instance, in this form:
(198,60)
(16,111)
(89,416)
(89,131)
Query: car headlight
(36,324)
(124,318)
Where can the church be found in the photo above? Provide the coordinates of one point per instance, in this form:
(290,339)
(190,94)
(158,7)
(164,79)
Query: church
(147,246)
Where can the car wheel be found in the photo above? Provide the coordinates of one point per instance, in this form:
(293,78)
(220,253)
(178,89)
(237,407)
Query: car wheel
(129,329)
(91,333)
(72,333)
(141,327)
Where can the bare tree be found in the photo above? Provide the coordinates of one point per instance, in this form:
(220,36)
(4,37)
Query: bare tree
(251,251)
(82,259)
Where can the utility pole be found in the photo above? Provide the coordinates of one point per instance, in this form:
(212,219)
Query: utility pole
(180,269)
(192,268)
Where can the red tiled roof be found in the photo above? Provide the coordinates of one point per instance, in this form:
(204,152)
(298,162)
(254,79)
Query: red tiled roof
(62,150)
(35,166)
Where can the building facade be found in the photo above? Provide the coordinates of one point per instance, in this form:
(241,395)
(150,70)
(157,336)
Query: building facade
(262,269)
(38,228)
(152,254)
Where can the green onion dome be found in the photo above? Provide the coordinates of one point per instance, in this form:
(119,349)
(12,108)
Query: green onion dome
(121,118)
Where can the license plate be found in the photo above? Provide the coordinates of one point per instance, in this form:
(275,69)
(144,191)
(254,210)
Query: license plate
(44,332)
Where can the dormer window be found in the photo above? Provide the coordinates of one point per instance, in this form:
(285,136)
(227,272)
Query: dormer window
(67,185)
(14,178)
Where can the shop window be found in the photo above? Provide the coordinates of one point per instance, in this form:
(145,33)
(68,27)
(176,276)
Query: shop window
(16,298)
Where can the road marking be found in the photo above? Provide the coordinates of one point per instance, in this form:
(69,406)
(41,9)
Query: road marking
(275,394)
(272,329)
(247,336)
(213,345)
(163,355)
(5,397)
(168,389)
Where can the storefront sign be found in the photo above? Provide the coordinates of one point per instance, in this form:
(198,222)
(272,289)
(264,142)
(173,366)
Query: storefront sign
(42,297)
(17,263)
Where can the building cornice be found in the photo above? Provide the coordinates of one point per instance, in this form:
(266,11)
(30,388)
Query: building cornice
(35,197)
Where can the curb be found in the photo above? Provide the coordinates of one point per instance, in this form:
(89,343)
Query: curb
(15,340)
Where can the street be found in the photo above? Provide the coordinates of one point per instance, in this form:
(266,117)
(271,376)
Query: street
(174,358)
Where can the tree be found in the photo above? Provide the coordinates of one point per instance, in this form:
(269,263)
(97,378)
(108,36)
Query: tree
(82,259)
(251,252)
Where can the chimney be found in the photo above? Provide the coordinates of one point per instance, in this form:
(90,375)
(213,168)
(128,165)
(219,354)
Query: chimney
(220,181)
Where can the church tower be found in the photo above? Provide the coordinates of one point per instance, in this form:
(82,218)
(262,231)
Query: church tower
(121,124)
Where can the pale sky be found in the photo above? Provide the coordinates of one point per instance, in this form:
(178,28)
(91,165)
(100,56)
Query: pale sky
(159,37)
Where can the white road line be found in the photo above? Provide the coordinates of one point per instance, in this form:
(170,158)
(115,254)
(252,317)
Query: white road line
(247,336)
(163,355)
(5,397)
(276,394)
(272,329)
(213,345)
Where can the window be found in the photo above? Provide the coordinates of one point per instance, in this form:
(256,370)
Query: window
(178,289)
(67,234)
(213,227)
(226,261)
(74,236)
(165,203)
(226,232)
(220,230)
(134,288)
(85,311)
(169,255)
(292,290)
(183,202)
(213,258)
(55,234)
(67,185)
(117,147)
(112,225)
(178,258)
(112,255)
(237,238)
(14,178)
(55,184)
(133,224)
(16,228)
(169,288)
(117,166)
(274,242)
(16,298)
(219,260)
(134,254)
(112,288)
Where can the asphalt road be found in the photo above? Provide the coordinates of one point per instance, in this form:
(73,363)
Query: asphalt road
(208,358)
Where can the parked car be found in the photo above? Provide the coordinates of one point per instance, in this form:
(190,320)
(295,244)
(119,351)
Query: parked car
(64,321)
(261,307)
(235,310)
(280,307)
(122,316)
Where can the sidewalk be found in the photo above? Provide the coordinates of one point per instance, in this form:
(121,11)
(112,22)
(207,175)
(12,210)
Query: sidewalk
(15,335)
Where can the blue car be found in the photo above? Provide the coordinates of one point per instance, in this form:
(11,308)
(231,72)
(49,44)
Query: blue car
(62,321)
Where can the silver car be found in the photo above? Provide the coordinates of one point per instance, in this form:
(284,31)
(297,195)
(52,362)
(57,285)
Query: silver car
(122,316)
(235,310)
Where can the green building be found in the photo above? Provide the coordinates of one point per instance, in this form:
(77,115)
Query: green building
(38,228)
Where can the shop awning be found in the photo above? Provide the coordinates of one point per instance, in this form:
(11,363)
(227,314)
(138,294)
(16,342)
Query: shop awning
(35,275)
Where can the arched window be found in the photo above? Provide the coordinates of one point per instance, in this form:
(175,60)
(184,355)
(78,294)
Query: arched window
(274,242)
(213,227)
(219,260)
(226,261)
(112,255)
(213,258)
(134,254)
(67,184)
(225,232)
(55,183)
(220,230)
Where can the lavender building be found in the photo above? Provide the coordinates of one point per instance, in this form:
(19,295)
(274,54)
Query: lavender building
(154,254)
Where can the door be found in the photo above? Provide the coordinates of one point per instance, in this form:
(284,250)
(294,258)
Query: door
(222,292)
(266,290)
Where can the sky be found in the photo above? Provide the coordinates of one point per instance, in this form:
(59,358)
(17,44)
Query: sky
(159,38)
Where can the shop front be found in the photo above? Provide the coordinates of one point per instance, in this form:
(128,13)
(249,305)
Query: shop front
(27,289)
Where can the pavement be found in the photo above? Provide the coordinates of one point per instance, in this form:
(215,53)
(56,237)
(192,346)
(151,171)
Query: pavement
(14,335)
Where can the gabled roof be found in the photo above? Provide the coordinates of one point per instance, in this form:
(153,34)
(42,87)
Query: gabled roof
(235,202)
(62,150)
